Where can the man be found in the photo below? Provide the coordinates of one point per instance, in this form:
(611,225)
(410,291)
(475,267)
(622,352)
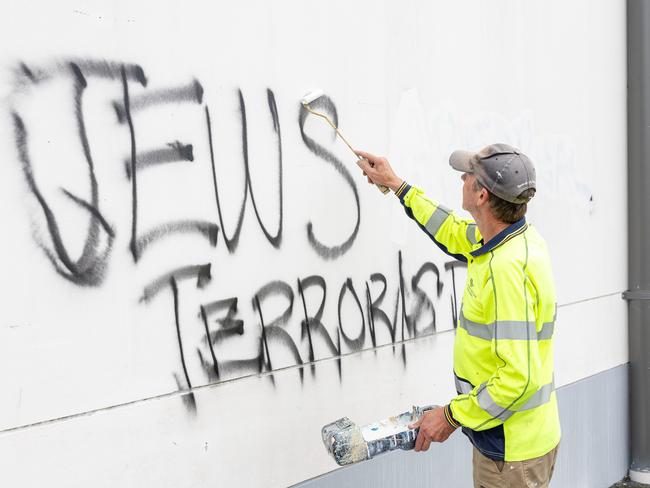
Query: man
(503,353)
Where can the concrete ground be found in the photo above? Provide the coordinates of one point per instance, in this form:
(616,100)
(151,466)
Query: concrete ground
(626,483)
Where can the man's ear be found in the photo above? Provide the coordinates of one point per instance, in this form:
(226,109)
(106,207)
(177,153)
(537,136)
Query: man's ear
(483,196)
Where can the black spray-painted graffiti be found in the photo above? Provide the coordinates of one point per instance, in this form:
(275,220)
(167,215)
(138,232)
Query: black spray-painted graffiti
(413,311)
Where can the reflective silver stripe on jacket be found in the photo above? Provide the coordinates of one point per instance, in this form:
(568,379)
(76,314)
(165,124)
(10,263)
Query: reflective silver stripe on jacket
(547,331)
(541,396)
(462,387)
(439,215)
(548,328)
(506,329)
(471,233)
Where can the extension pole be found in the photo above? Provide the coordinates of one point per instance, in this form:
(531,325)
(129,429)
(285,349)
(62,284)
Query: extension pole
(638,294)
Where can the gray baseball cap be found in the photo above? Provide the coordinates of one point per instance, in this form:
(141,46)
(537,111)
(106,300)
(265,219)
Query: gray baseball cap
(502,169)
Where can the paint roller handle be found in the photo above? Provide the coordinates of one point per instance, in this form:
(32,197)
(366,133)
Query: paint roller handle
(378,171)
(381,188)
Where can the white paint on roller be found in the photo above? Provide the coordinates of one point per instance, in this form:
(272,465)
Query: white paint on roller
(311,96)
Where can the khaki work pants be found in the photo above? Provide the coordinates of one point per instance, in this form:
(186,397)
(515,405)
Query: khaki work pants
(532,473)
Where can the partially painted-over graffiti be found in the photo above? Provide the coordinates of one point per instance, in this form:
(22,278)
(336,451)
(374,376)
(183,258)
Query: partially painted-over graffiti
(389,306)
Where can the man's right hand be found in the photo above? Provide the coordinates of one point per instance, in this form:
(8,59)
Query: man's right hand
(378,170)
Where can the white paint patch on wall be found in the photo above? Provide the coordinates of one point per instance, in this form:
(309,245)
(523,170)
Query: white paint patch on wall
(591,337)
(197,92)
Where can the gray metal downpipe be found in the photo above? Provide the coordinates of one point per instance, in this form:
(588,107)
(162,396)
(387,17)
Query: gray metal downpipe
(638,294)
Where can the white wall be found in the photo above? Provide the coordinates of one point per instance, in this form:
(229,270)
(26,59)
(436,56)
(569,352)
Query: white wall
(103,374)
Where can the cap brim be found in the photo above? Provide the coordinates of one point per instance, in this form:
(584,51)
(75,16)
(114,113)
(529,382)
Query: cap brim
(462,161)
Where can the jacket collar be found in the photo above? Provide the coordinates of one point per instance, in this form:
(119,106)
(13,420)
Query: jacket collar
(505,235)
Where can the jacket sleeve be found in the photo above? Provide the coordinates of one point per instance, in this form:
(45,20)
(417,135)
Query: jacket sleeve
(517,383)
(455,236)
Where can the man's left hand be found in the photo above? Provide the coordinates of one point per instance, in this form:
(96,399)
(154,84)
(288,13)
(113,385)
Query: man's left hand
(433,428)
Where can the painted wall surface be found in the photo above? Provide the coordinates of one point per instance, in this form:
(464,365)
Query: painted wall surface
(195,275)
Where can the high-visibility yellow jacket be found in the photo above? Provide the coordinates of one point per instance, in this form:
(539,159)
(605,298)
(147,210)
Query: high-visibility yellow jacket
(503,354)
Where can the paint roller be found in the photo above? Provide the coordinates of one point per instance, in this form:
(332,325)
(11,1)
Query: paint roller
(315,95)
(348,443)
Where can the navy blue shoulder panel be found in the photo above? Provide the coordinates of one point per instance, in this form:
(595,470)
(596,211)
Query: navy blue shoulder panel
(442,247)
(510,231)
(491,443)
